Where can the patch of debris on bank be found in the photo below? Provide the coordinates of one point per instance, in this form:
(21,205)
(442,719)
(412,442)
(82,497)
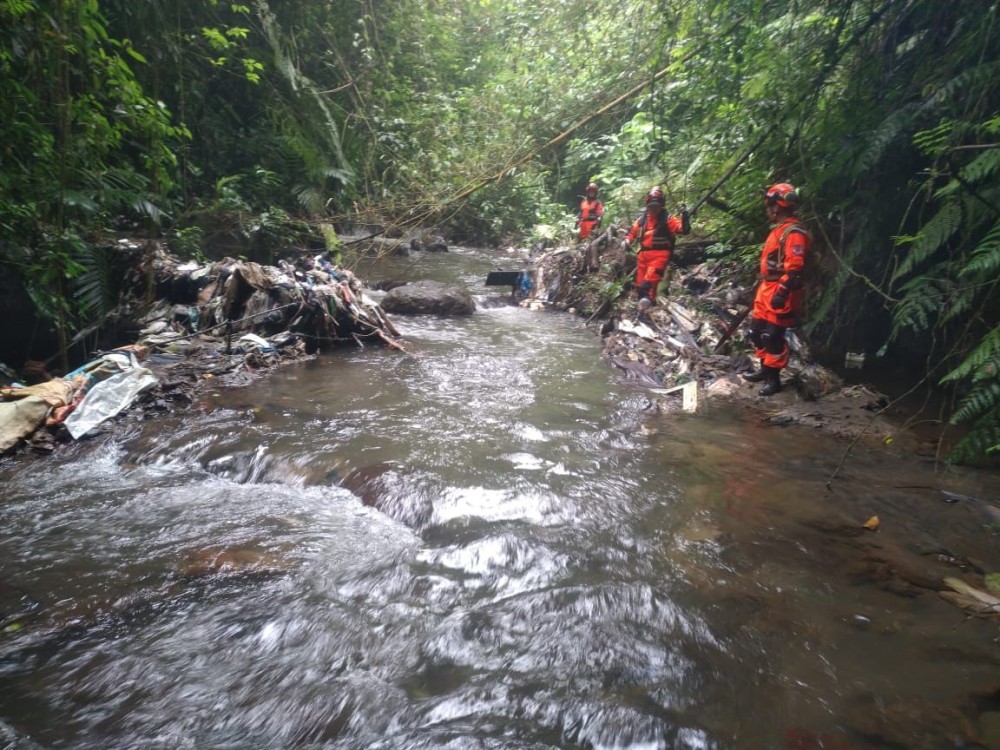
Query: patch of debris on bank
(221,322)
(697,335)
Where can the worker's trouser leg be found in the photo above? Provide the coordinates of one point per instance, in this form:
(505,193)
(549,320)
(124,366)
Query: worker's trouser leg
(651,265)
(772,350)
(769,340)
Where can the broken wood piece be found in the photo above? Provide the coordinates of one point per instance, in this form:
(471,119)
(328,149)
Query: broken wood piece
(683,317)
(689,394)
(983,597)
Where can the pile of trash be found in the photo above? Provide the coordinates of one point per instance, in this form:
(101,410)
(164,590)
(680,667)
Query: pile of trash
(697,332)
(228,319)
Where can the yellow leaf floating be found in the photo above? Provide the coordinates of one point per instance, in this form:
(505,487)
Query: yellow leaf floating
(871,523)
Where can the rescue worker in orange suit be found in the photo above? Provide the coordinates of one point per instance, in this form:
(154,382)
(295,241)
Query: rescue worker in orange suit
(657,234)
(590,213)
(779,294)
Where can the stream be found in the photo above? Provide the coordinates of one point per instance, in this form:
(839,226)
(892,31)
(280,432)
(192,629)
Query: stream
(491,541)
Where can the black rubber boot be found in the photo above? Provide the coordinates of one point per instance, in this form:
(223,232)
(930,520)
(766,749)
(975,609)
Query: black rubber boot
(772,382)
(756,376)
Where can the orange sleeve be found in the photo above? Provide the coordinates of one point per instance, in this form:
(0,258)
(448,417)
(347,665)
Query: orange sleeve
(633,232)
(674,224)
(796,245)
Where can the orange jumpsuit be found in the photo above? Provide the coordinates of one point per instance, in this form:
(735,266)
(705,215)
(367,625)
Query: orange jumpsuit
(657,237)
(781,264)
(589,216)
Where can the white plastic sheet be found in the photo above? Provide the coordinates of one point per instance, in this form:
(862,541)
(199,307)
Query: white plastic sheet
(108,398)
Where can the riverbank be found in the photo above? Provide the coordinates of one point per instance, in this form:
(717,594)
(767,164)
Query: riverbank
(180,324)
(697,333)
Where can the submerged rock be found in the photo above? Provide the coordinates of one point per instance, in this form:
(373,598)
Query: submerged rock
(429,298)
(384,487)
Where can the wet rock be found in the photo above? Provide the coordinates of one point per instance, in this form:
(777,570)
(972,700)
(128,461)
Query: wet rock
(429,244)
(388,246)
(382,486)
(861,622)
(387,285)
(429,298)
(242,562)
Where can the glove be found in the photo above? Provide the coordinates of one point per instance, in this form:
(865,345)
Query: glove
(625,245)
(779,300)
(685,219)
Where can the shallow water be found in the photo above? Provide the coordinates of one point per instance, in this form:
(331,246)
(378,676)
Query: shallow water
(489,542)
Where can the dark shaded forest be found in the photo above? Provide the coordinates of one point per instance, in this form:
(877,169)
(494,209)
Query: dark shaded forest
(250,128)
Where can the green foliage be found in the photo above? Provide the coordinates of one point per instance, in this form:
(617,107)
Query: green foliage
(933,236)
(118,114)
(187,242)
(96,288)
(332,242)
(47,269)
(984,261)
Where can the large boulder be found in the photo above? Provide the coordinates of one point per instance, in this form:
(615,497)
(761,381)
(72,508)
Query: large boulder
(429,298)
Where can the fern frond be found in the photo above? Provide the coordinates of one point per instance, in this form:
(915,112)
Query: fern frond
(979,358)
(934,140)
(78,199)
(149,209)
(888,132)
(932,236)
(309,198)
(983,166)
(985,260)
(921,303)
(979,401)
(974,78)
(96,289)
(983,438)
(958,305)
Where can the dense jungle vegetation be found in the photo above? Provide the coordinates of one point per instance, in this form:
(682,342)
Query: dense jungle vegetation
(210,123)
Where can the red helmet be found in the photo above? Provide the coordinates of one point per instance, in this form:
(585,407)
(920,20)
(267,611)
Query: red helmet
(655,196)
(781,194)
(592,187)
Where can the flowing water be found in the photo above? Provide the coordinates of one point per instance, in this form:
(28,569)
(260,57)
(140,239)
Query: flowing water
(489,542)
